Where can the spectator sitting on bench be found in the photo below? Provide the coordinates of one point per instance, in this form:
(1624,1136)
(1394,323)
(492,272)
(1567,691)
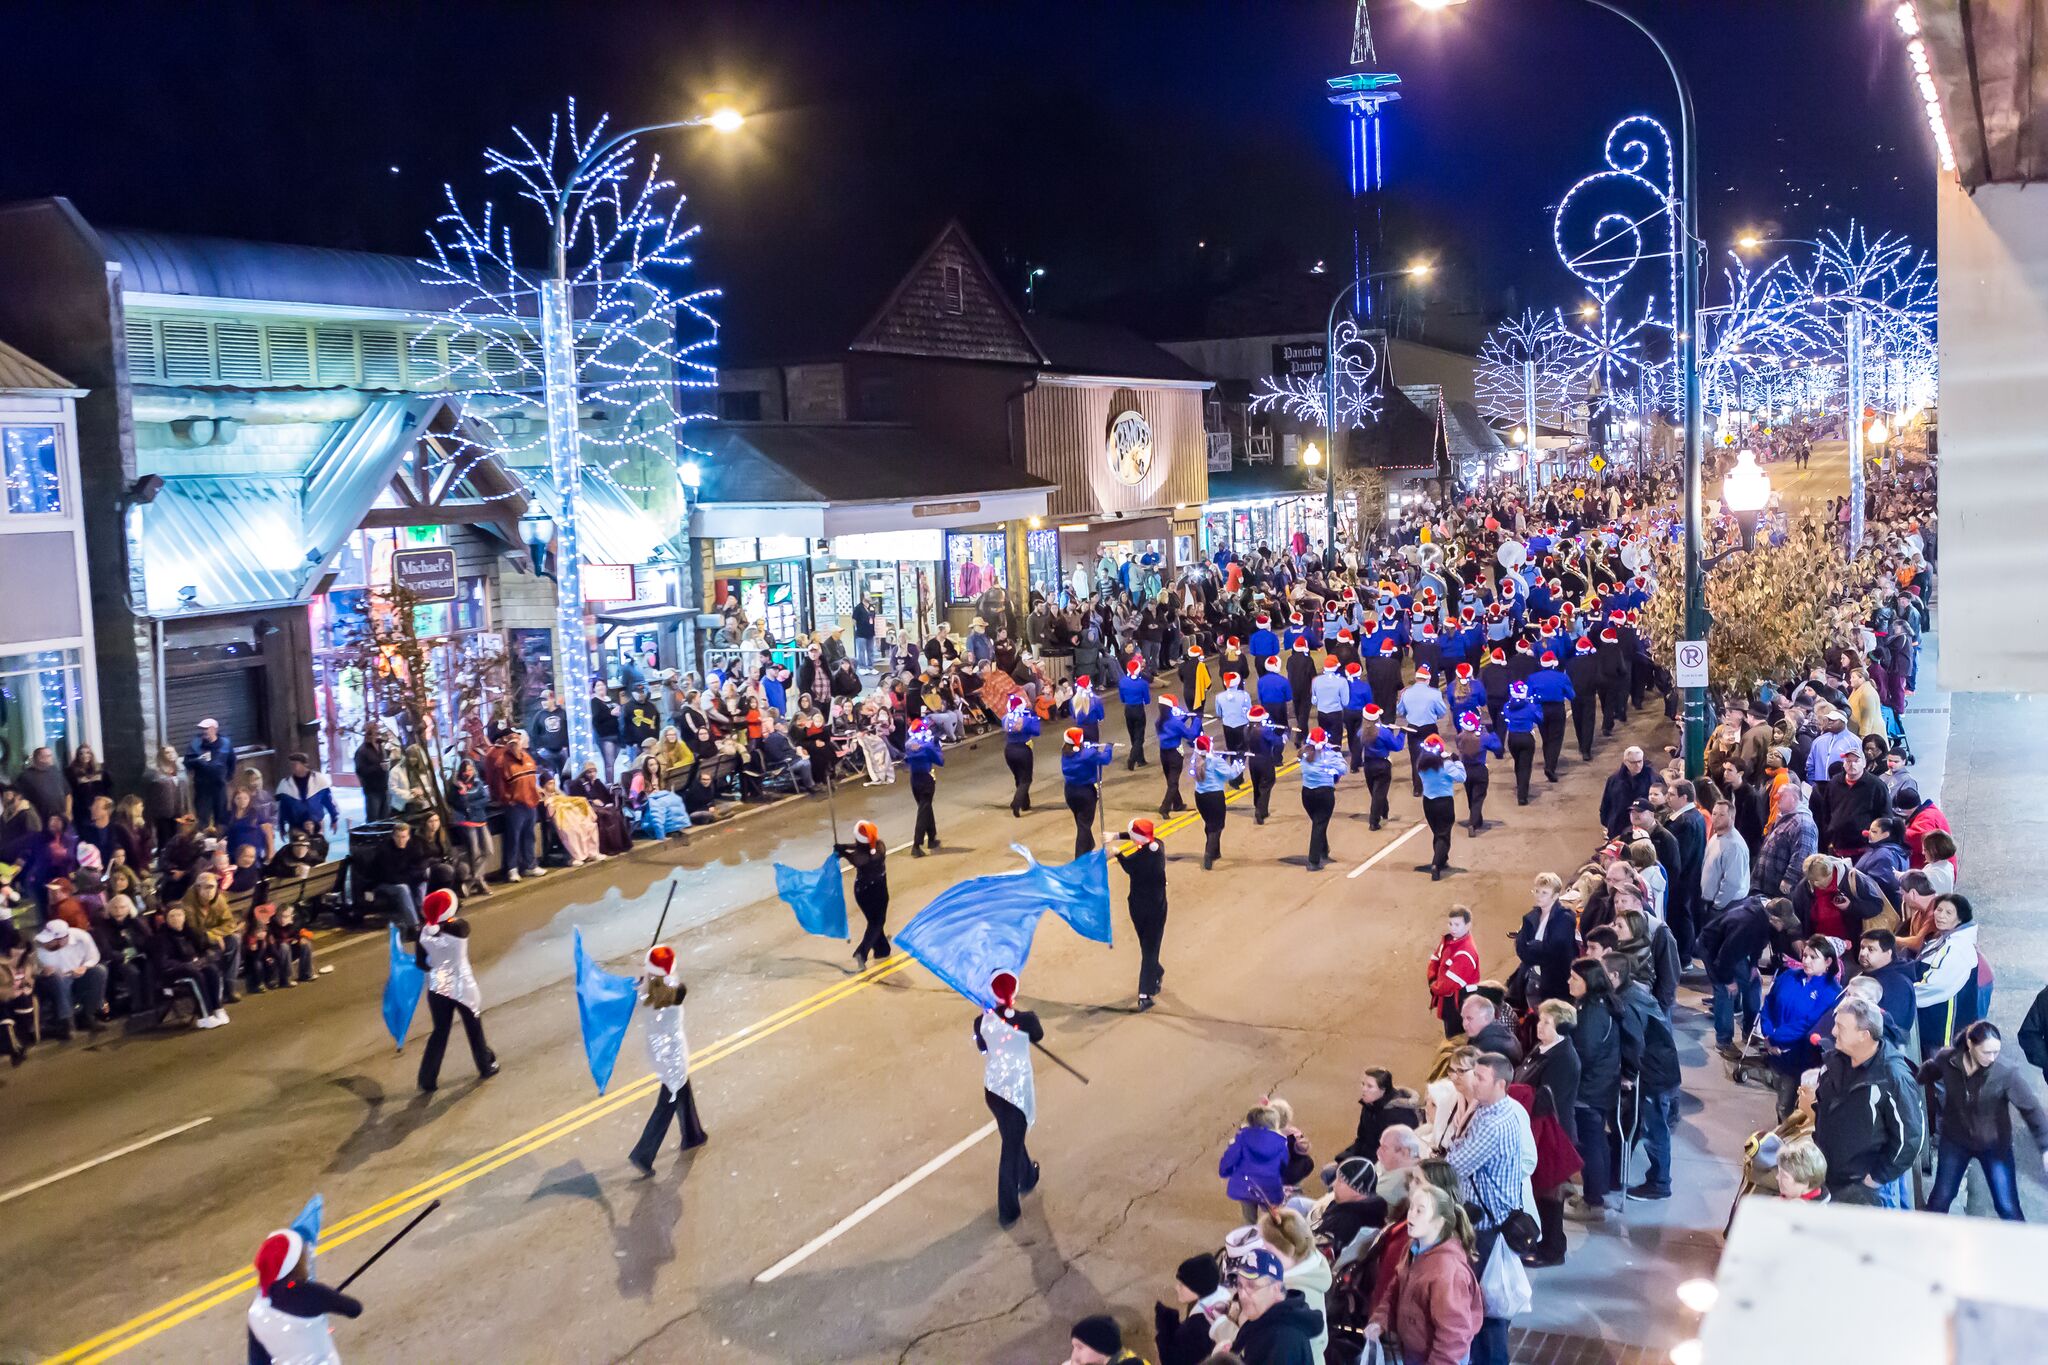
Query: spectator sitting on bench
(398,874)
(73,978)
(700,798)
(293,942)
(263,964)
(781,756)
(125,945)
(293,860)
(245,876)
(184,956)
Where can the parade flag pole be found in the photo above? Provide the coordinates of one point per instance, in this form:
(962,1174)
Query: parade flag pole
(832,796)
(420,1217)
(1056,1061)
(663,921)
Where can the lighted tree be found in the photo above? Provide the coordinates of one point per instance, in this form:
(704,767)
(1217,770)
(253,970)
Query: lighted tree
(1503,378)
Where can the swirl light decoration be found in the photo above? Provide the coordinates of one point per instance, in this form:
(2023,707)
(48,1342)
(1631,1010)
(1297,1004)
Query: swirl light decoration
(1605,227)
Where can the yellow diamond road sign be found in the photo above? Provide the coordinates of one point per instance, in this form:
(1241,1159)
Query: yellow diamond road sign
(1597,463)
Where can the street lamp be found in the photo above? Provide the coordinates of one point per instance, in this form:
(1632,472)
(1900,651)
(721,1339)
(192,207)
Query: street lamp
(1744,492)
(1031,287)
(1878,432)
(1418,269)
(1687,209)
(558,353)
(1310,456)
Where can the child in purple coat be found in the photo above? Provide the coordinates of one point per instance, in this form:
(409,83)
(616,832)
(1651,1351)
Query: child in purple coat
(1254,1164)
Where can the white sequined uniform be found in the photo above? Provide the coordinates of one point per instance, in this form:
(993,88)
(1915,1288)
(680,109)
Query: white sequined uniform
(1007,1068)
(291,1340)
(448,971)
(668,1046)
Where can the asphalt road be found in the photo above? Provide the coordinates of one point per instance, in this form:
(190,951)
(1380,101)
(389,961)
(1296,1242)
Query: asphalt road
(822,1090)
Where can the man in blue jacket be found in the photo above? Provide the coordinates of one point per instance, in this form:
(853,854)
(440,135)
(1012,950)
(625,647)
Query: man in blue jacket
(1269,746)
(1136,694)
(922,754)
(1081,765)
(1263,644)
(1276,694)
(1176,728)
(1233,712)
(1550,689)
(1520,717)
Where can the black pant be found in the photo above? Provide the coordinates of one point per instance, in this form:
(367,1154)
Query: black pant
(1476,781)
(1262,788)
(1170,761)
(210,805)
(1354,734)
(1522,748)
(1319,802)
(1081,801)
(682,1105)
(1211,805)
(201,978)
(1441,815)
(1150,923)
(1582,726)
(1016,1173)
(1332,723)
(376,804)
(1613,704)
(1235,738)
(1134,726)
(1553,737)
(1415,738)
(1379,776)
(443,1010)
(925,833)
(1018,756)
(873,901)
(1300,709)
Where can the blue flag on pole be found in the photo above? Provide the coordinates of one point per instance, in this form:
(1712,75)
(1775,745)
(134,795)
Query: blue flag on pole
(604,1002)
(307,1225)
(818,896)
(984,925)
(402,990)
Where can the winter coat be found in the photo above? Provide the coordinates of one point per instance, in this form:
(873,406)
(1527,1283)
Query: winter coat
(1436,1308)
(1648,1050)
(1622,791)
(1976,1110)
(1282,1335)
(1790,1013)
(1946,992)
(1596,1041)
(1557,1070)
(1868,1120)
(1548,958)
(1253,1166)
(1395,1107)
(1735,941)
(2034,1032)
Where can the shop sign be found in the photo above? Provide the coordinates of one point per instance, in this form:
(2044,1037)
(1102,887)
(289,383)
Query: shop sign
(1129,448)
(785,547)
(608,583)
(429,575)
(946,509)
(735,550)
(927,546)
(1299,359)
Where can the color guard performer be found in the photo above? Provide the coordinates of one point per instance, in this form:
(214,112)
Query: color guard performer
(1144,861)
(288,1317)
(668,1051)
(1005,1034)
(443,954)
(870,862)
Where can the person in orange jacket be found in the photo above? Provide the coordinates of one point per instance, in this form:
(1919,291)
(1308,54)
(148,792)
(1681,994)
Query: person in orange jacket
(1453,970)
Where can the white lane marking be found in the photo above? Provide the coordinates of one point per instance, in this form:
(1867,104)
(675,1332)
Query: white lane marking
(35,1185)
(861,1214)
(1362,867)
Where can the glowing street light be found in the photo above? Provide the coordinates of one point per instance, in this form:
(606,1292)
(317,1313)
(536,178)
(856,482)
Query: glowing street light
(726,120)
(1744,492)
(1878,433)
(1310,456)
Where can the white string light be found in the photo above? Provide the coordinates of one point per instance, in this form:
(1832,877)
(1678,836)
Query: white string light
(1923,80)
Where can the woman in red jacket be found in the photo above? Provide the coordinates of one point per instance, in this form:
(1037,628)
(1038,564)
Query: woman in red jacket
(1435,1309)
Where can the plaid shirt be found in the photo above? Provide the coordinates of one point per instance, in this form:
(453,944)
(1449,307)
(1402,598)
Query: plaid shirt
(1785,850)
(1494,1156)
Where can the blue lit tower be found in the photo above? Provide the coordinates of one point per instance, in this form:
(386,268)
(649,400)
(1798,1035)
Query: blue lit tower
(1362,93)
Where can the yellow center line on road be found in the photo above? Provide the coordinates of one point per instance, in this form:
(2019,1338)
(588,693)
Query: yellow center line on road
(128,1335)
(138,1330)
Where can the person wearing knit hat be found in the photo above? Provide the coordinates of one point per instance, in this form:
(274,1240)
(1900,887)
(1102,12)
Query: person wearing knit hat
(869,859)
(1081,765)
(1098,1340)
(1143,860)
(924,756)
(1182,1332)
(442,952)
(1004,1034)
(1214,773)
(1136,695)
(668,1051)
(288,1317)
(1020,727)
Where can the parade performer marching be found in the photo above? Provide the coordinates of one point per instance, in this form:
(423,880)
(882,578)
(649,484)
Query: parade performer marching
(1357,696)
(1006,1033)
(1087,709)
(1213,773)
(1144,861)
(1380,743)
(1301,674)
(1136,694)
(1020,727)
(1420,709)
(668,1051)
(288,1317)
(1583,669)
(1269,746)
(1322,763)
(1440,778)
(1475,741)
(1233,713)
(1081,765)
(870,861)
(1328,695)
(922,753)
(1520,716)
(1550,689)
(443,954)
(1176,729)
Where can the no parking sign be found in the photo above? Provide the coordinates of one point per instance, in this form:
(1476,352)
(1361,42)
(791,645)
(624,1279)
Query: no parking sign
(1689,664)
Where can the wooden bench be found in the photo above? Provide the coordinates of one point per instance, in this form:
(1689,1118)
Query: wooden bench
(318,890)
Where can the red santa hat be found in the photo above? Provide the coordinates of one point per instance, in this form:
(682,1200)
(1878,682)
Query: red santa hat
(869,833)
(1617,616)
(1429,594)
(1388,649)
(1373,712)
(1329,663)
(1468,614)
(1234,642)
(1523,647)
(1353,668)
(1350,594)
(1634,616)
(1202,743)
(1464,672)
(438,905)
(1256,713)
(1551,625)
(1582,646)
(1610,636)
(1264,620)
(1230,679)
(1141,830)
(1499,655)
(1168,699)
(1345,635)
(1136,665)
(280,1252)
(1084,683)
(1301,644)
(1194,651)
(1549,659)
(1272,661)
(1317,735)
(1003,986)
(661,962)
(1016,702)
(1433,742)
(1429,630)
(1294,618)
(1421,672)
(1075,736)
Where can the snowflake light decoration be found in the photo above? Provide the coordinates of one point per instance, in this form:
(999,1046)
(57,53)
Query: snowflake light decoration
(1361,395)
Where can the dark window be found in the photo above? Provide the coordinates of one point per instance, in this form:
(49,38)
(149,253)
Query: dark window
(739,405)
(954,283)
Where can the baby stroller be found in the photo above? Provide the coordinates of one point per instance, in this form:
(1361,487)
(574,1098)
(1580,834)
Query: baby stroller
(1895,735)
(1755,1062)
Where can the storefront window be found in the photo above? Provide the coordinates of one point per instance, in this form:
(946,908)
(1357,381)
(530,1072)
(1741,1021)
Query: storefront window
(975,562)
(1042,559)
(41,705)
(29,467)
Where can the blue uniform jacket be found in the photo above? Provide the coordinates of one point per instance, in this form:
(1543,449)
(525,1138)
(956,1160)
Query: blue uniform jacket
(1263,645)
(1177,727)
(1442,781)
(1274,693)
(1322,766)
(921,755)
(1386,742)
(1358,693)
(1233,707)
(1489,742)
(1467,697)
(1521,716)
(1135,691)
(1219,772)
(1550,684)
(1086,706)
(1329,691)
(1083,767)
(1269,742)
(1020,727)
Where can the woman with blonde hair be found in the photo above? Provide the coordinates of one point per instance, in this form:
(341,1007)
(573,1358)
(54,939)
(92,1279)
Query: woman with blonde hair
(1435,1309)
(1286,1230)
(573,819)
(166,794)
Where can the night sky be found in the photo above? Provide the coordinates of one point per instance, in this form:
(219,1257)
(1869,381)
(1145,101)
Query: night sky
(1141,152)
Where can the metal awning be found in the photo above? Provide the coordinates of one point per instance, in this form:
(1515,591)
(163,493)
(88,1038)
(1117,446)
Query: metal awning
(614,528)
(236,542)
